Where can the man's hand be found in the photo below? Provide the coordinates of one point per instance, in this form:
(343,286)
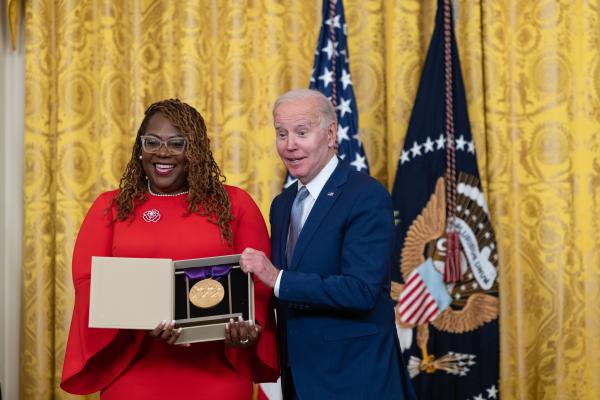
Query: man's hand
(257,262)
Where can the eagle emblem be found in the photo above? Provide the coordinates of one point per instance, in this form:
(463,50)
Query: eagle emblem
(473,300)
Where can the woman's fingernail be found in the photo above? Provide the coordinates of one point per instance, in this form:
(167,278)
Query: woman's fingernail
(240,319)
(179,330)
(251,323)
(231,320)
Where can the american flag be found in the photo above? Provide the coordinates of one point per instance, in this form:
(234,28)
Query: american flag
(423,297)
(331,76)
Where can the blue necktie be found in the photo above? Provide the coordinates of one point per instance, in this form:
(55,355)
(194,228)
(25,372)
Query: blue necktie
(295,223)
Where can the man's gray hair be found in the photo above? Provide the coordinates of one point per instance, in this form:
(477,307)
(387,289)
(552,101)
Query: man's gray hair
(326,110)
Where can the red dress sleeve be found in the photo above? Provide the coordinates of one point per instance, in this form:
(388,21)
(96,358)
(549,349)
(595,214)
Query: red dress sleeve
(94,357)
(260,362)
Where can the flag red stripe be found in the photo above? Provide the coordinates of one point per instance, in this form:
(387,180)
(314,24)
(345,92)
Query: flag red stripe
(426,310)
(415,294)
(434,312)
(419,305)
(422,309)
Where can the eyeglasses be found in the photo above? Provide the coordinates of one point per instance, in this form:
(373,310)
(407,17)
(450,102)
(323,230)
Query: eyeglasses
(152,144)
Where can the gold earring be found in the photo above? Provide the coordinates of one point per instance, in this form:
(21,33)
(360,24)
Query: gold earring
(140,157)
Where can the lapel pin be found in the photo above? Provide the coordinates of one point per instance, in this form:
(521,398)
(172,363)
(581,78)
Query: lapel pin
(330,194)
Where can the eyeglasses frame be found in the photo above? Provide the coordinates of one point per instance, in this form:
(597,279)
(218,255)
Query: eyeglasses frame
(162,143)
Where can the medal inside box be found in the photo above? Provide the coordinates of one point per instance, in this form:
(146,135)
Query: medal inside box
(236,299)
(163,294)
(205,324)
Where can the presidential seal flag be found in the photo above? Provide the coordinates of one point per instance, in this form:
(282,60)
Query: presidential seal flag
(331,76)
(446,280)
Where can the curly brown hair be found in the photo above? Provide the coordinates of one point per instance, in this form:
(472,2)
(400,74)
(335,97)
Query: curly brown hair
(207,195)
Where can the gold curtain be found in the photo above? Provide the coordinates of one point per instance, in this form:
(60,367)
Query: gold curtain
(532,76)
(541,116)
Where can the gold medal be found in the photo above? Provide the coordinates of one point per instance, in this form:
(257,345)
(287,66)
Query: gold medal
(207,293)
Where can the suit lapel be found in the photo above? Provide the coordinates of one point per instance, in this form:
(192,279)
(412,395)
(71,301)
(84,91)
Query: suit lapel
(331,191)
(287,198)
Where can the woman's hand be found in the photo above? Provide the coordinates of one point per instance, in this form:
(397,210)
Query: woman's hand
(166,331)
(241,333)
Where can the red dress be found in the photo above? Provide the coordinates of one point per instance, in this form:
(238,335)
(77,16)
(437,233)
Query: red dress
(129,364)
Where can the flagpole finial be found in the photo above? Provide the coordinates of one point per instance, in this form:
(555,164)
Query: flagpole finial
(13,9)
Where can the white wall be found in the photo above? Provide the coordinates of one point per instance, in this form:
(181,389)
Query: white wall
(11,203)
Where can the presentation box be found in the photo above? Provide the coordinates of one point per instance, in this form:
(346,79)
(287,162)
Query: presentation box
(201,294)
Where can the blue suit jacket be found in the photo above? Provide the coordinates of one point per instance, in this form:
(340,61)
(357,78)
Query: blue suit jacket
(338,335)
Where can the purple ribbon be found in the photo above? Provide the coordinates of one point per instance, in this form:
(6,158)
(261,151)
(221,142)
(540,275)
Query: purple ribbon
(216,272)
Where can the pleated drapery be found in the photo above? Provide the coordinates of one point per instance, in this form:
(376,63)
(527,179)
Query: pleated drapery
(532,76)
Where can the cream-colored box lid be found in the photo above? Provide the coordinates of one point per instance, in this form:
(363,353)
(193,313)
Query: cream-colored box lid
(131,293)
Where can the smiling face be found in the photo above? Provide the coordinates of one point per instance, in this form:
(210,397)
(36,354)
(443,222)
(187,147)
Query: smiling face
(303,143)
(166,172)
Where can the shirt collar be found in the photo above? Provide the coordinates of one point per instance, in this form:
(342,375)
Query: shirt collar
(317,184)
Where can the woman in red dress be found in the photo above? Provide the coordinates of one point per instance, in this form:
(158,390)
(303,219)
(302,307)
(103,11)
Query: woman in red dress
(171,203)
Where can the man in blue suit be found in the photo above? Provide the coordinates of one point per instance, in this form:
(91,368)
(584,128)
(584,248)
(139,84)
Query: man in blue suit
(332,236)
